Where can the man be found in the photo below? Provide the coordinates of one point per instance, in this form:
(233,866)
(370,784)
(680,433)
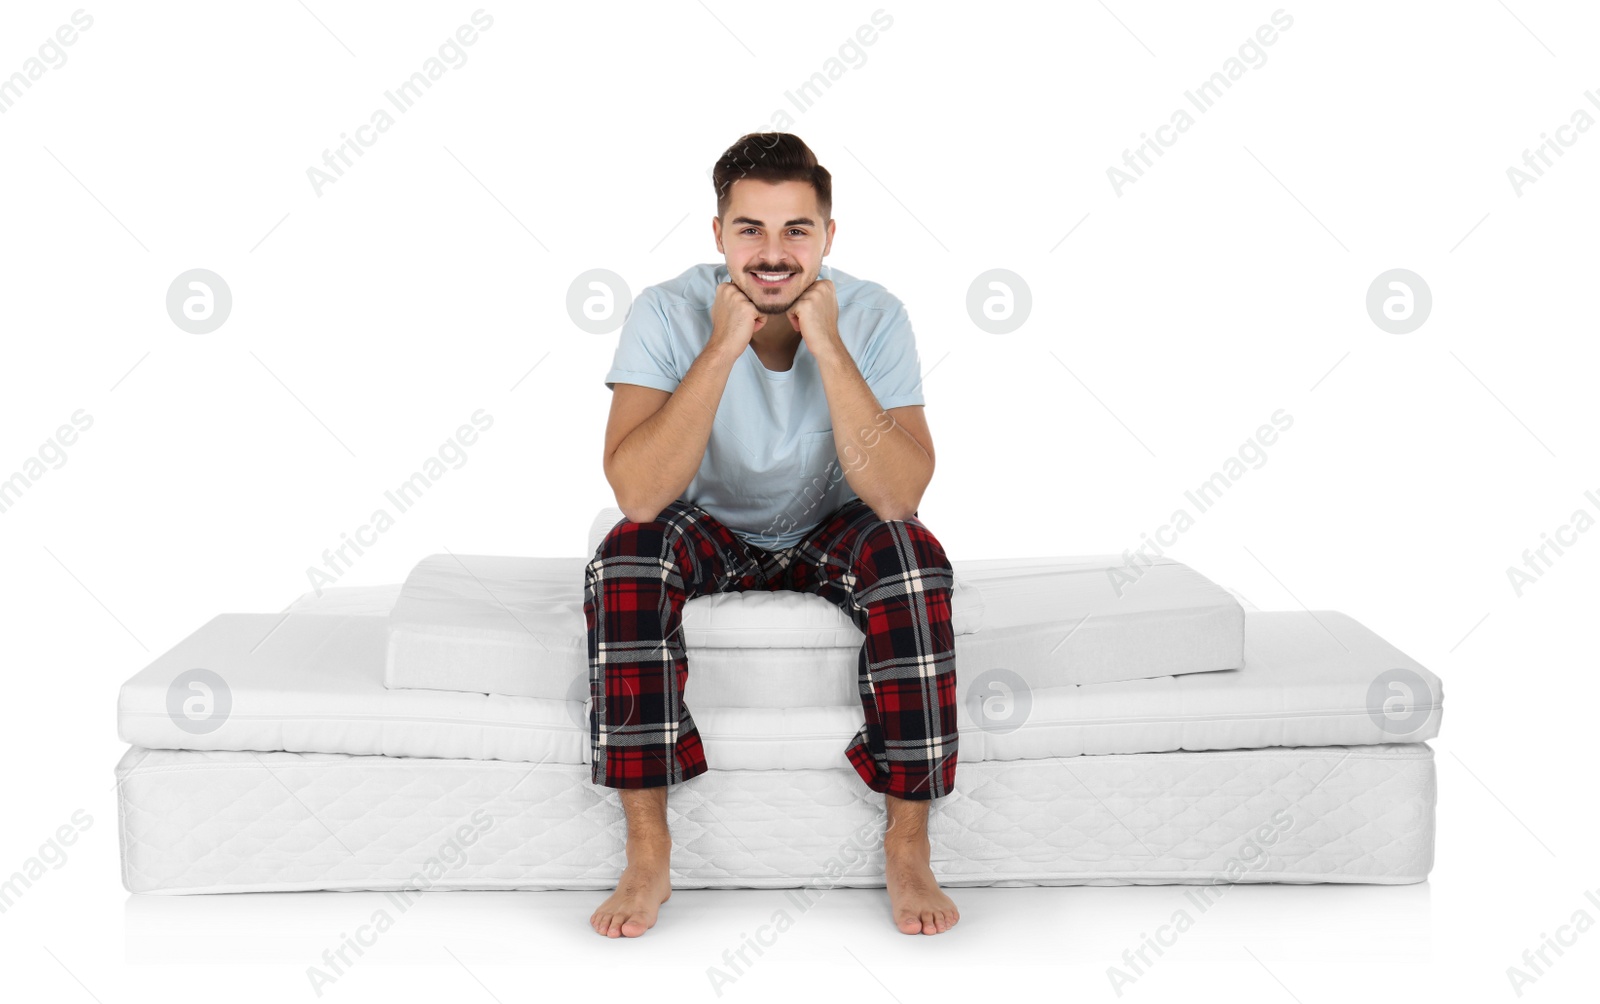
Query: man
(737,388)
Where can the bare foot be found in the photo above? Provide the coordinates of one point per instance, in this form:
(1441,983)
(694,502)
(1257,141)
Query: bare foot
(918,904)
(645,884)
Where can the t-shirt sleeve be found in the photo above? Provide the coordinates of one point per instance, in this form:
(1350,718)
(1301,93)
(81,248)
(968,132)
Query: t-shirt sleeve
(891,366)
(644,348)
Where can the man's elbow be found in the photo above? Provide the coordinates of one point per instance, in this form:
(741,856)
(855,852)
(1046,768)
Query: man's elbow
(898,509)
(635,511)
(903,507)
(640,515)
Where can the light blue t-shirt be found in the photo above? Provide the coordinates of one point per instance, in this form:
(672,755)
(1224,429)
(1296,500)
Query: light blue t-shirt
(771,472)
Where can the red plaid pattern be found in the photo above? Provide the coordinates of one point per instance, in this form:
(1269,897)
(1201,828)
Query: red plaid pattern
(891,577)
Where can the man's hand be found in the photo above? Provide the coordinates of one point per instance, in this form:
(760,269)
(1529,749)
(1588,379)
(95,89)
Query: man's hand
(816,316)
(734,318)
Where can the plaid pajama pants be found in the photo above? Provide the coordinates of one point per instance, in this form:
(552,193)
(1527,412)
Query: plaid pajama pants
(890,577)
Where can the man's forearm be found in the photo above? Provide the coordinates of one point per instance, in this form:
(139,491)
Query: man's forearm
(885,466)
(656,461)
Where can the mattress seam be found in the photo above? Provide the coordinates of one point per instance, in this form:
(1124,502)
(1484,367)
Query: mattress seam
(1339,753)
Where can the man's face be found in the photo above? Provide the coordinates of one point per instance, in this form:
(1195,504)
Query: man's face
(773,231)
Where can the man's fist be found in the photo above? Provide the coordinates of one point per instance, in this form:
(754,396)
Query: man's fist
(734,315)
(816,313)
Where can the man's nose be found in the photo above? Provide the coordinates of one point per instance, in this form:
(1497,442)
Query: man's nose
(772,252)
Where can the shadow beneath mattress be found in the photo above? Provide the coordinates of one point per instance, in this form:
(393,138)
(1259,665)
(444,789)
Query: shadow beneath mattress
(1098,925)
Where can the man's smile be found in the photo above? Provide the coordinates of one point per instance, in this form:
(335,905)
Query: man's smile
(772,280)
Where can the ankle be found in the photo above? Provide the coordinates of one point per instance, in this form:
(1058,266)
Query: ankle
(648,848)
(906,844)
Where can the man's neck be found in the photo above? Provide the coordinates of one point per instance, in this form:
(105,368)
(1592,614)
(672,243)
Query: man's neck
(777,332)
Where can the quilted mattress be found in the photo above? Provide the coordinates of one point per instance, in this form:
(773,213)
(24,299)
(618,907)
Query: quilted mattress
(515,626)
(214,822)
(313,682)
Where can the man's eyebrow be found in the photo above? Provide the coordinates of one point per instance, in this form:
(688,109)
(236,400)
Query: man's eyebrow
(804,221)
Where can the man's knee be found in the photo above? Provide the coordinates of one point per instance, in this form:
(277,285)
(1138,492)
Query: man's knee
(628,538)
(890,537)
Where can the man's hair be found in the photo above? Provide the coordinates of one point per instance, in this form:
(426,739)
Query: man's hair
(772,157)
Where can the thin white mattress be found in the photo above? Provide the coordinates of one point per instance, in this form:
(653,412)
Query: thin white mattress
(515,626)
(196,822)
(313,682)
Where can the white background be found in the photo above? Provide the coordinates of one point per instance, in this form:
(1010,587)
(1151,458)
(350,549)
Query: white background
(1168,322)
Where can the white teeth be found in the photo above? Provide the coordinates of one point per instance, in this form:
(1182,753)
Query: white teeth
(772,276)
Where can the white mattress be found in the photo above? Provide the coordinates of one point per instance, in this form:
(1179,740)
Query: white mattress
(313,682)
(515,626)
(194,822)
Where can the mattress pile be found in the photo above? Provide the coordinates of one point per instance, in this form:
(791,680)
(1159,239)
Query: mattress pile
(1121,722)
